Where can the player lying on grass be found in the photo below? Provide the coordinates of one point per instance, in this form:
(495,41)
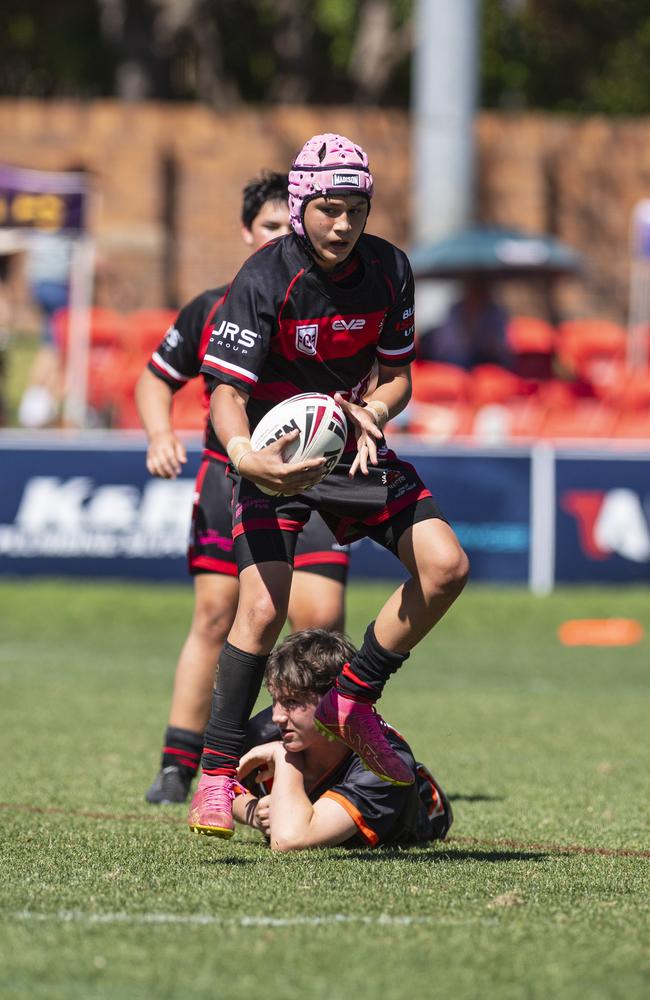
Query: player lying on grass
(313,312)
(309,792)
(317,597)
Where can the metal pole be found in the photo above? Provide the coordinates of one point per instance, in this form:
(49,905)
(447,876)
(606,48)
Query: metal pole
(445,84)
(76,373)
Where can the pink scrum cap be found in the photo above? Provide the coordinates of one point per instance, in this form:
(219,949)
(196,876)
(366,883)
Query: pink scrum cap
(326,164)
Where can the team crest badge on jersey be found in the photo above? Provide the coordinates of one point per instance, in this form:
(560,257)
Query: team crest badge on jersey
(306,338)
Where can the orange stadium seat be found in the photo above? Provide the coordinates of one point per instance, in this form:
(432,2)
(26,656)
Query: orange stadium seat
(492,384)
(126,415)
(633,393)
(585,418)
(438,382)
(526,418)
(145,328)
(593,349)
(519,419)
(439,405)
(532,341)
(190,409)
(633,425)
(559,394)
(440,421)
(107,328)
(529,335)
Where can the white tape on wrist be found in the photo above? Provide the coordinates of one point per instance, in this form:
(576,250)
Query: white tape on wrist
(380,412)
(237,448)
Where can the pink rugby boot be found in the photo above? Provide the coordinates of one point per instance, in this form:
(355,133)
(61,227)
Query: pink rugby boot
(360,727)
(211,808)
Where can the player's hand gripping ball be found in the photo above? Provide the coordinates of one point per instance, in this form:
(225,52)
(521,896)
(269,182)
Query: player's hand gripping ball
(322,427)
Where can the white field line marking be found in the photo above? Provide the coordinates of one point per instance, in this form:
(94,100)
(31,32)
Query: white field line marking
(206,919)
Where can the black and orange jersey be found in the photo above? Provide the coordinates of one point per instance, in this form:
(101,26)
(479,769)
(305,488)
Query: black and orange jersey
(382,813)
(179,356)
(286,327)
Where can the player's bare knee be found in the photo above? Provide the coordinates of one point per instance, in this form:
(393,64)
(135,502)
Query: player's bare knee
(263,614)
(212,622)
(448,572)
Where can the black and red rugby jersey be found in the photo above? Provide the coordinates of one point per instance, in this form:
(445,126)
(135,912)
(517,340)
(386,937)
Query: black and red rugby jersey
(286,328)
(382,813)
(178,357)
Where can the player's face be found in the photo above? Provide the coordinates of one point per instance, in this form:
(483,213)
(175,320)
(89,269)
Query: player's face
(294,717)
(333,225)
(272,220)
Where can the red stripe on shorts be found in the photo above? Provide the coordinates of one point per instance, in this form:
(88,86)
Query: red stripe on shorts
(398,505)
(312,558)
(260,523)
(214,565)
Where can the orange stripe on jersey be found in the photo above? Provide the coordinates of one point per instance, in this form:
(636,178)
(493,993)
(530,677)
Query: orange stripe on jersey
(369,835)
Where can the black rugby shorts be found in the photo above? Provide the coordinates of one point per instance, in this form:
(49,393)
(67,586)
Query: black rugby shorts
(380,506)
(211,547)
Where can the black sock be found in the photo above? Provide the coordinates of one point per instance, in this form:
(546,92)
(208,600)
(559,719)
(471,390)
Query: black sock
(365,676)
(182,748)
(239,679)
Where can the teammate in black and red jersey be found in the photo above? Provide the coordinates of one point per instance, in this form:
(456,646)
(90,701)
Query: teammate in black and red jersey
(302,790)
(312,312)
(321,563)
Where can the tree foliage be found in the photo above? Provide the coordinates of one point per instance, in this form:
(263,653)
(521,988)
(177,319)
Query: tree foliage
(566,55)
(581,56)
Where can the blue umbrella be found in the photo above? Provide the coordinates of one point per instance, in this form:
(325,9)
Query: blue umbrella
(495,254)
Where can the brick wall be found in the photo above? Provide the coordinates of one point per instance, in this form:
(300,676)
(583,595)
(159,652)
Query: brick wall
(168,182)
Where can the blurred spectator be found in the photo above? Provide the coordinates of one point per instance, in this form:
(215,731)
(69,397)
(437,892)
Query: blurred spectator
(474,332)
(48,267)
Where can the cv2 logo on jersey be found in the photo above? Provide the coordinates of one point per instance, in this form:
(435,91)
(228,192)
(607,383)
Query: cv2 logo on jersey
(307,338)
(348,324)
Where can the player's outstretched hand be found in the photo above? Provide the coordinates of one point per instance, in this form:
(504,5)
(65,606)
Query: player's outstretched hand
(166,455)
(267,468)
(366,431)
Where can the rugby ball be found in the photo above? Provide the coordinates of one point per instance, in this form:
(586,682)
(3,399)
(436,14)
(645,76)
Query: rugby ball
(320,421)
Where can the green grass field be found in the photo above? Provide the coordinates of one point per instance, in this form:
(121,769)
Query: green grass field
(542,890)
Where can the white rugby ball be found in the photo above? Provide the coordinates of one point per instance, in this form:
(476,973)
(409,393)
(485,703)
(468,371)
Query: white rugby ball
(321,423)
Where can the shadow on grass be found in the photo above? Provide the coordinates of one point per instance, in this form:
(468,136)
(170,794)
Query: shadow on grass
(228,862)
(443,854)
(458,797)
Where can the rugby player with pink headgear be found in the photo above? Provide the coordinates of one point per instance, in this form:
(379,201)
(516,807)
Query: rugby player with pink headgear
(318,311)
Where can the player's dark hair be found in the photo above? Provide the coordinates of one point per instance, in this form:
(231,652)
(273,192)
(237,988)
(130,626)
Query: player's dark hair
(307,662)
(269,186)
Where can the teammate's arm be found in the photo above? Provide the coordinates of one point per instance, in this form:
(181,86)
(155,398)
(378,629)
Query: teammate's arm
(165,452)
(265,467)
(390,396)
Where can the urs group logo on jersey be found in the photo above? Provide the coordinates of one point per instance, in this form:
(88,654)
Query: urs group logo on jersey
(233,336)
(307,338)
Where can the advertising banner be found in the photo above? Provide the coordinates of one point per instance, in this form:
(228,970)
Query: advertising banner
(603,519)
(42,199)
(87,507)
(93,510)
(486,498)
